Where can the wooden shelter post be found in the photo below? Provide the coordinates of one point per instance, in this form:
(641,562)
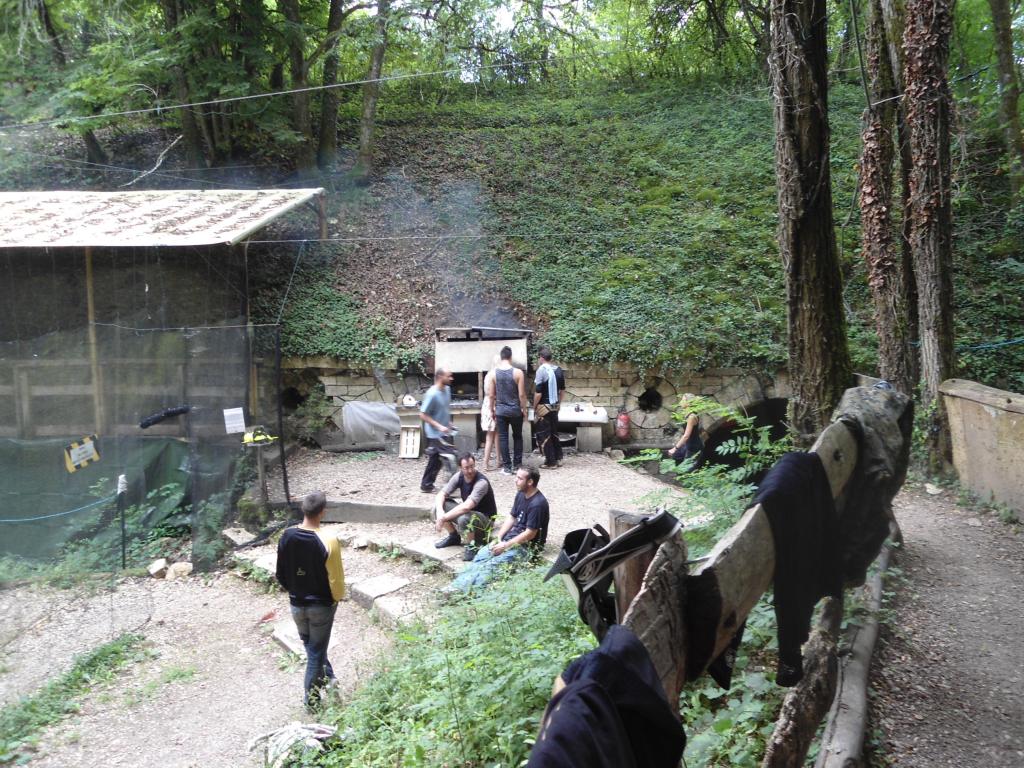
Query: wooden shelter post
(94,361)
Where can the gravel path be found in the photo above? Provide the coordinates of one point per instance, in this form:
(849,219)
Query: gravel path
(948,673)
(579,493)
(214,678)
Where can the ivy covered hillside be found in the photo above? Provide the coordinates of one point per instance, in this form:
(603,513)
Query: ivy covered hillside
(628,224)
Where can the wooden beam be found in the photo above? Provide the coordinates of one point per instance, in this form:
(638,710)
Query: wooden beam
(658,616)
(629,576)
(717,596)
(742,564)
(94,362)
(321,213)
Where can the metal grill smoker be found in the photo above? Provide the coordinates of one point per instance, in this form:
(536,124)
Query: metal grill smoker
(469,353)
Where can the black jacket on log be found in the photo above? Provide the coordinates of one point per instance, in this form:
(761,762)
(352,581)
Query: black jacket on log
(612,713)
(797,498)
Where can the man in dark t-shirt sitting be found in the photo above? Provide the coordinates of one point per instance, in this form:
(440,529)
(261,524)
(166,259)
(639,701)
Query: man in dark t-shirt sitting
(521,535)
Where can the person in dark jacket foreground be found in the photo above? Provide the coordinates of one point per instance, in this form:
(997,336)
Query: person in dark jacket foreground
(309,567)
(609,710)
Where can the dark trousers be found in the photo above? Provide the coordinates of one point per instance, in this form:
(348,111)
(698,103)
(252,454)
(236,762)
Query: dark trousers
(433,462)
(314,623)
(547,438)
(516,422)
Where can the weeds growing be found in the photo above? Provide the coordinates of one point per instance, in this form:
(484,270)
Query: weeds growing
(20,723)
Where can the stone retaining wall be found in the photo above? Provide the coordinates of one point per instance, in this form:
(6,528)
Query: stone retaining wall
(612,385)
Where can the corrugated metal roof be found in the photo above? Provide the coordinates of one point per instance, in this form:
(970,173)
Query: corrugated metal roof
(151,218)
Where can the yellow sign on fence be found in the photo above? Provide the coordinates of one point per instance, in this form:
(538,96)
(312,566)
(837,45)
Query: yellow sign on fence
(81,453)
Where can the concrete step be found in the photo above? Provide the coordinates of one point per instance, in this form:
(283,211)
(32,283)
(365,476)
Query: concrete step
(371,581)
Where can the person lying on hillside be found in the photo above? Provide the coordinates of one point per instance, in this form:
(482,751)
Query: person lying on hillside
(520,537)
(472,515)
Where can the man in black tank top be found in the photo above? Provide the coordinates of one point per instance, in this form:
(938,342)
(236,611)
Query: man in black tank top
(474,516)
(507,392)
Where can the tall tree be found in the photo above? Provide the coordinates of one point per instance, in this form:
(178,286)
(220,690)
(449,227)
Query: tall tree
(327,150)
(302,122)
(173,16)
(93,149)
(894,22)
(1009,91)
(819,362)
(929,104)
(885,273)
(371,90)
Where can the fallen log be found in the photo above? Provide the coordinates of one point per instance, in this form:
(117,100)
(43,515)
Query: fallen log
(808,700)
(842,743)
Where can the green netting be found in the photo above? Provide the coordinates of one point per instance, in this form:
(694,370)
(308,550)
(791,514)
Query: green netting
(183,472)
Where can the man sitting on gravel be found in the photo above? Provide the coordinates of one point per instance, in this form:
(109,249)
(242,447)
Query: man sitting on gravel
(309,567)
(475,512)
(521,536)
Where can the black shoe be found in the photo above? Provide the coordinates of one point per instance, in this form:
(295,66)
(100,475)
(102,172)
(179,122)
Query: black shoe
(470,552)
(451,540)
(428,489)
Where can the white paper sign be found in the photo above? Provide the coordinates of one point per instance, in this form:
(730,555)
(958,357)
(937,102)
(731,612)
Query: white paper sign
(83,453)
(234,420)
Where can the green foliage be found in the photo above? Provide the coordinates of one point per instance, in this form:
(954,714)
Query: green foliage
(20,722)
(472,688)
(320,319)
(207,522)
(731,727)
(718,492)
(315,413)
(97,550)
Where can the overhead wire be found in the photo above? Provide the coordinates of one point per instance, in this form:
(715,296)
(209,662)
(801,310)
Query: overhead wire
(290,91)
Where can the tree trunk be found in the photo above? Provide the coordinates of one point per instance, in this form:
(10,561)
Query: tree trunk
(894,21)
(327,152)
(305,159)
(929,103)
(189,127)
(885,277)
(1009,91)
(93,149)
(819,363)
(364,162)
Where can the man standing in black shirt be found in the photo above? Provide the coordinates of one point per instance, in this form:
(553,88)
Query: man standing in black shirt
(309,567)
(521,535)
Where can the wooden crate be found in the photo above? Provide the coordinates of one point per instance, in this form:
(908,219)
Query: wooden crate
(409,443)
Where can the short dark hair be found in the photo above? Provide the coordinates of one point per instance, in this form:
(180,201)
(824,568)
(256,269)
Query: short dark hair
(532,473)
(506,352)
(466,455)
(314,503)
(545,354)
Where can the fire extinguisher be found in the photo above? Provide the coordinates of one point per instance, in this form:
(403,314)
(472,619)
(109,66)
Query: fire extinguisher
(622,425)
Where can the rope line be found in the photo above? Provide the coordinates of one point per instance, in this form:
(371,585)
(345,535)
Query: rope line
(59,514)
(981,345)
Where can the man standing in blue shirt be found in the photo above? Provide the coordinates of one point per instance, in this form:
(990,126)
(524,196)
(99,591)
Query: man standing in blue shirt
(435,413)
